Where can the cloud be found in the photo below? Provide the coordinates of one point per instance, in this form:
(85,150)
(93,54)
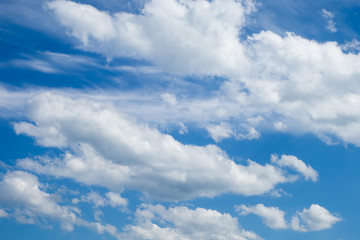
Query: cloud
(54,63)
(182,37)
(3,213)
(110,149)
(273,217)
(329,17)
(169,99)
(315,218)
(353,46)
(29,204)
(299,83)
(112,199)
(35,64)
(219,132)
(23,193)
(156,222)
(297,165)
(294,84)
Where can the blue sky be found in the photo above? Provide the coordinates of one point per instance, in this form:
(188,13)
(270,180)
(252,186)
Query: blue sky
(179,119)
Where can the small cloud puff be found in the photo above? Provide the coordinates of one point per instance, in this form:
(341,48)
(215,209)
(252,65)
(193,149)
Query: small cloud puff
(315,218)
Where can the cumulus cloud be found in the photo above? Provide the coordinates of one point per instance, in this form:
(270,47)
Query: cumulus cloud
(180,36)
(300,84)
(23,193)
(157,222)
(294,84)
(219,132)
(295,164)
(314,218)
(110,149)
(273,217)
(29,204)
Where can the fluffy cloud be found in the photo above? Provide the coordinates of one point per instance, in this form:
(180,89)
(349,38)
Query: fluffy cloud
(293,84)
(313,219)
(309,85)
(23,193)
(296,164)
(112,150)
(157,222)
(273,217)
(31,205)
(180,36)
(219,132)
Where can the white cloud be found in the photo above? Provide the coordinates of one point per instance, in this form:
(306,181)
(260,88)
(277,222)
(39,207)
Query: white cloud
(112,150)
(35,64)
(54,63)
(3,213)
(219,132)
(297,165)
(31,205)
(23,193)
(296,85)
(300,83)
(169,99)
(112,199)
(293,84)
(180,36)
(273,217)
(353,46)
(329,17)
(313,219)
(156,222)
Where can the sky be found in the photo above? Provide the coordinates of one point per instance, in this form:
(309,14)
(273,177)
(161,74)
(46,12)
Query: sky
(179,119)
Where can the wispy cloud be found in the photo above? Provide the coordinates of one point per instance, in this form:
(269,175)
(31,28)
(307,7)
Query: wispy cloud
(329,17)
(55,63)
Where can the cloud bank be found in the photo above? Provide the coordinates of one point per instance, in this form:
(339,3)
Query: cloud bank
(105,147)
(293,84)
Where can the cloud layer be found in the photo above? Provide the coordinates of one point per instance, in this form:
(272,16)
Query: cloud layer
(110,149)
(292,83)
(114,139)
